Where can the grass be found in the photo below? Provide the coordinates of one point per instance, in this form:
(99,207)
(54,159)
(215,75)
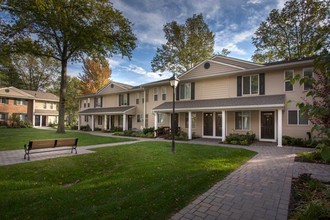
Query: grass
(137,181)
(311,157)
(310,199)
(15,138)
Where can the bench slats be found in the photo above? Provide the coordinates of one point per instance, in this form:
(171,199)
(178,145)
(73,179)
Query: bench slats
(50,143)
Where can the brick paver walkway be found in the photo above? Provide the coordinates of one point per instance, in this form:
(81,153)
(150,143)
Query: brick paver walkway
(260,189)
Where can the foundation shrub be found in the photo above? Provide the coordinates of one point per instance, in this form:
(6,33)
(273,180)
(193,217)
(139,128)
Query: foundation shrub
(242,139)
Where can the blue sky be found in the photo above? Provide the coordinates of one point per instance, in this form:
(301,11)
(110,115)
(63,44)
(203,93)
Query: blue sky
(232,21)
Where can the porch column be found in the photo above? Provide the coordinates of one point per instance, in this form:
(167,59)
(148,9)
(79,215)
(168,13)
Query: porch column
(93,123)
(144,109)
(105,122)
(279,127)
(155,123)
(79,122)
(124,122)
(189,126)
(223,120)
(33,112)
(40,121)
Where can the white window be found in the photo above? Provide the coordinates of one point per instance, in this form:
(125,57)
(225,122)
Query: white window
(3,117)
(288,76)
(142,97)
(45,105)
(86,118)
(250,84)
(164,91)
(88,102)
(296,118)
(51,105)
(193,120)
(139,118)
(123,99)
(308,74)
(98,102)
(155,94)
(161,118)
(4,100)
(242,120)
(19,102)
(185,91)
(85,103)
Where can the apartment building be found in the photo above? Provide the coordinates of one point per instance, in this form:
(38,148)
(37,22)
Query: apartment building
(40,108)
(221,95)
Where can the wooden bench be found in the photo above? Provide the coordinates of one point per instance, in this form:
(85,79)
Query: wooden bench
(52,144)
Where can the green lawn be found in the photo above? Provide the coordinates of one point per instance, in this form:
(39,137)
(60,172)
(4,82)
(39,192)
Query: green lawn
(136,181)
(15,138)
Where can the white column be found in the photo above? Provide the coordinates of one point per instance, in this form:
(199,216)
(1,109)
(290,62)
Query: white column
(40,121)
(144,109)
(124,122)
(189,126)
(33,112)
(223,119)
(93,124)
(155,123)
(279,127)
(105,122)
(79,122)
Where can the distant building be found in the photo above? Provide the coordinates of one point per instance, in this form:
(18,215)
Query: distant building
(41,108)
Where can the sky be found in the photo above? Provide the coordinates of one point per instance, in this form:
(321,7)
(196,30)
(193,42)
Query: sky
(233,22)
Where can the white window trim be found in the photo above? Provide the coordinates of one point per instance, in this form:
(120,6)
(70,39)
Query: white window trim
(303,85)
(249,129)
(155,92)
(189,98)
(164,91)
(250,94)
(285,80)
(298,122)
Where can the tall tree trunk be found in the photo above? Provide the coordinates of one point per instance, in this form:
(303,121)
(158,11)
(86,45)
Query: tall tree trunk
(61,108)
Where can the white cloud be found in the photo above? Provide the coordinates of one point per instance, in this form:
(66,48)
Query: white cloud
(280,4)
(114,63)
(148,74)
(254,1)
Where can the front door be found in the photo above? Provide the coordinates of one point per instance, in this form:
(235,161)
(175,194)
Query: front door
(218,124)
(267,125)
(208,124)
(37,120)
(129,124)
(44,120)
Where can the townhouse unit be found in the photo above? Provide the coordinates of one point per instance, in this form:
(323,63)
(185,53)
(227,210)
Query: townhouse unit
(38,107)
(221,95)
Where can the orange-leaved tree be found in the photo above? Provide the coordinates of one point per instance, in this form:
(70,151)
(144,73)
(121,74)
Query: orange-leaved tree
(96,74)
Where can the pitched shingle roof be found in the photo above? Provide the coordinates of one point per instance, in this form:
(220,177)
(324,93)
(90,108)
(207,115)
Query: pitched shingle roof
(42,95)
(227,103)
(111,110)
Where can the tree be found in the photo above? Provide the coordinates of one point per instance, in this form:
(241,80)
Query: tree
(35,73)
(186,45)
(8,73)
(224,52)
(317,104)
(72,105)
(96,75)
(301,29)
(66,31)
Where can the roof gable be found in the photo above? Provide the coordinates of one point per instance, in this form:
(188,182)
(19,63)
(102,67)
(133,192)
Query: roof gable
(13,92)
(209,68)
(114,87)
(45,96)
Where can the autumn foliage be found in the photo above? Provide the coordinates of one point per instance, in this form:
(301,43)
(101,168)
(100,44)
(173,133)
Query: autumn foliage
(96,74)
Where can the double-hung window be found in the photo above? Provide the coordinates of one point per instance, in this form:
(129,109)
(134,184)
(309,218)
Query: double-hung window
(288,76)
(4,100)
(308,75)
(155,94)
(250,84)
(139,118)
(161,118)
(242,120)
(123,99)
(163,90)
(296,118)
(185,91)
(45,105)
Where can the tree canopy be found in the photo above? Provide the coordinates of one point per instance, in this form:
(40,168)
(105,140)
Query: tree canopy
(66,31)
(96,74)
(187,45)
(301,29)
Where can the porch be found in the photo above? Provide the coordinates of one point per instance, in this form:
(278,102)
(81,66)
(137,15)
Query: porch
(216,118)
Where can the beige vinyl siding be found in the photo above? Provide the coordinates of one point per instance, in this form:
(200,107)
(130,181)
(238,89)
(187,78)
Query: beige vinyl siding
(215,68)
(238,63)
(115,89)
(212,88)
(110,100)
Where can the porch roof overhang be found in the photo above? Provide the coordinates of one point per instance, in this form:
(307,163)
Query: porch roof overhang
(46,112)
(129,110)
(237,103)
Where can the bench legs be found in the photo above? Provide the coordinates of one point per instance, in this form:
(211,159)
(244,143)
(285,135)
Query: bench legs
(74,148)
(27,153)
